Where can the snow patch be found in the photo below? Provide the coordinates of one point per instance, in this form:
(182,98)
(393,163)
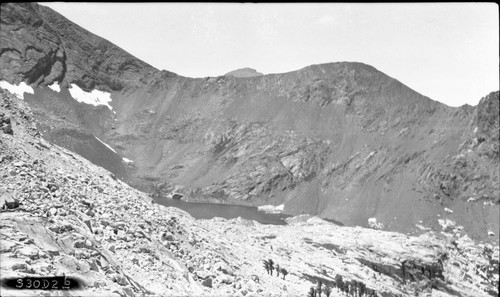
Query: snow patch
(448,210)
(491,233)
(372,222)
(127,160)
(422,227)
(55,86)
(369,156)
(271,208)
(446,224)
(17,90)
(95,97)
(106,145)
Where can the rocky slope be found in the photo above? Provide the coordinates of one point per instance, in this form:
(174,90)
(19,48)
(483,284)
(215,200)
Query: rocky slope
(342,140)
(60,214)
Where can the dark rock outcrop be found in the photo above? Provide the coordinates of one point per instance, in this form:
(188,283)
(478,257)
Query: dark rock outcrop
(40,46)
(5,124)
(207,282)
(30,49)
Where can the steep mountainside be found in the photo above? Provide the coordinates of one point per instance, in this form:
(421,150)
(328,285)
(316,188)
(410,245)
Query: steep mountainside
(61,215)
(40,46)
(342,140)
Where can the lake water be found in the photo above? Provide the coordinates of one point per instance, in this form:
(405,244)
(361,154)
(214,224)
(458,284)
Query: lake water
(199,210)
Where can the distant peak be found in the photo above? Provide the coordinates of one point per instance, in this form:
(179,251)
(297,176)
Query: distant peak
(244,72)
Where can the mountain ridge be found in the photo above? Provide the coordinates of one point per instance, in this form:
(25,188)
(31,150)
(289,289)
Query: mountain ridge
(47,16)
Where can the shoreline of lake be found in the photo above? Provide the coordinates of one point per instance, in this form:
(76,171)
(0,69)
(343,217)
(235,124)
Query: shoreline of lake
(209,210)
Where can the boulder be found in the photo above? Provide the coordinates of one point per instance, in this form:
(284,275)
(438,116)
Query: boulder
(81,253)
(177,196)
(118,278)
(167,236)
(121,280)
(14,263)
(207,282)
(19,266)
(103,263)
(128,291)
(42,267)
(99,284)
(224,268)
(6,246)
(119,225)
(226,279)
(7,201)
(93,265)
(7,129)
(83,244)
(19,164)
(29,251)
(204,274)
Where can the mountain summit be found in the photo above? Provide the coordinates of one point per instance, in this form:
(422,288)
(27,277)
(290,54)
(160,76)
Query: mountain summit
(342,140)
(244,72)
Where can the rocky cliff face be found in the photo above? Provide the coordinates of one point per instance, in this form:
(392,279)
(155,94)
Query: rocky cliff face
(342,140)
(41,47)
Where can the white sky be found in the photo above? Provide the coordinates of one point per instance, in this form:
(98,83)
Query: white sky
(446,51)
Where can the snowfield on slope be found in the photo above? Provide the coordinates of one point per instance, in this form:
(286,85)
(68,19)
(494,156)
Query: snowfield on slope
(55,87)
(18,90)
(272,208)
(95,97)
(107,145)
(127,160)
